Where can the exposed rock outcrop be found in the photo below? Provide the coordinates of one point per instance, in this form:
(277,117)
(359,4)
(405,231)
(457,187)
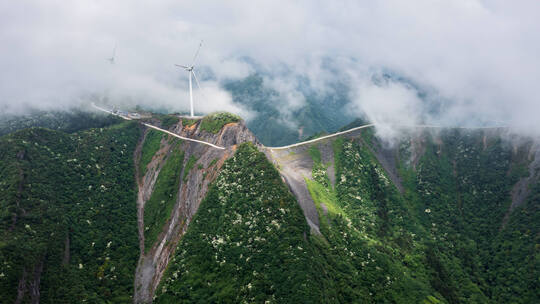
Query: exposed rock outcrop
(192,190)
(295,164)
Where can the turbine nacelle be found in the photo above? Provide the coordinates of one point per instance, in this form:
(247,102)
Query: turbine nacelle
(187,68)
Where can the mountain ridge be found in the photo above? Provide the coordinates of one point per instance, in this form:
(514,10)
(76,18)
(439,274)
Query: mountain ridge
(379,200)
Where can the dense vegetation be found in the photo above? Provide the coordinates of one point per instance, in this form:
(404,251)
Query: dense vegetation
(463,188)
(515,261)
(68,221)
(362,221)
(440,241)
(214,122)
(68,215)
(158,208)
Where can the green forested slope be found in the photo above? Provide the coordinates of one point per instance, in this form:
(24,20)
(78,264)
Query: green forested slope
(73,191)
(68,223)
(370,237)
(439,241)
(462,191)
(249,242)
(514,269)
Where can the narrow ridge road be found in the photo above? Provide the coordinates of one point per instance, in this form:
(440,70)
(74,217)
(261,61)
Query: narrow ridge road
(296,144)
(160,129)
(320,138)
(373,125)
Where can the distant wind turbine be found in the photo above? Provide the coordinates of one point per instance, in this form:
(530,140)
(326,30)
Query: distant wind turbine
(191,71)
(111,60)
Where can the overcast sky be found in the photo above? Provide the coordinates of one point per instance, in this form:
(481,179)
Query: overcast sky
(481,57)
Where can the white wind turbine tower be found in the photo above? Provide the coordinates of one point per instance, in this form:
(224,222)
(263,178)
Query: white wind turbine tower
(191,71)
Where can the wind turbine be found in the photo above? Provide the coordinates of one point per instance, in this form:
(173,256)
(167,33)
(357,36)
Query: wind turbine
(191,71)
(111,60)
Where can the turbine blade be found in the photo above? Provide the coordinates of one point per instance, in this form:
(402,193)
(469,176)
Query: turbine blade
(196,80)
(199,86)
(182,66)
(197,53)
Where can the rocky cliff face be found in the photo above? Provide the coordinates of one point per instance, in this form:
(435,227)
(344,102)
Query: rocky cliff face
(192,189)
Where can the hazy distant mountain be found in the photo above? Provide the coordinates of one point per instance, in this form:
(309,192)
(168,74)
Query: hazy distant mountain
(67,121)
(274,128)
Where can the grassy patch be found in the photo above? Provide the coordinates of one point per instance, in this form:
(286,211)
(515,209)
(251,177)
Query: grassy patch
(150,147)
(191,162)
(186,122)
(159,207)
(315,154)
(214,122)
(322,194)
(320,188)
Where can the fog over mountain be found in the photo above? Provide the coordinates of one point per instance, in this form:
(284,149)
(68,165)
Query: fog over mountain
(439,62)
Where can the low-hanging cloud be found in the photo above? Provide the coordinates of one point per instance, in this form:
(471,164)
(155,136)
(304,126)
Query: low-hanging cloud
(390,106)
(479,58)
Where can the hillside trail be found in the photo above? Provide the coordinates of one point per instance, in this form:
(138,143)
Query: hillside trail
(295,144)
(160,129)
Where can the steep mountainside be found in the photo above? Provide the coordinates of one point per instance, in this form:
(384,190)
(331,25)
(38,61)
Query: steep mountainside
(246,242)
(173,177)
(130,214)
(421,222)
(68,215)
(434,209)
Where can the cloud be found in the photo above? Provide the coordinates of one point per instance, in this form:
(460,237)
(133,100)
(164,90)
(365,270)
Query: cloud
(479,58)
(286,98)
(389,105)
